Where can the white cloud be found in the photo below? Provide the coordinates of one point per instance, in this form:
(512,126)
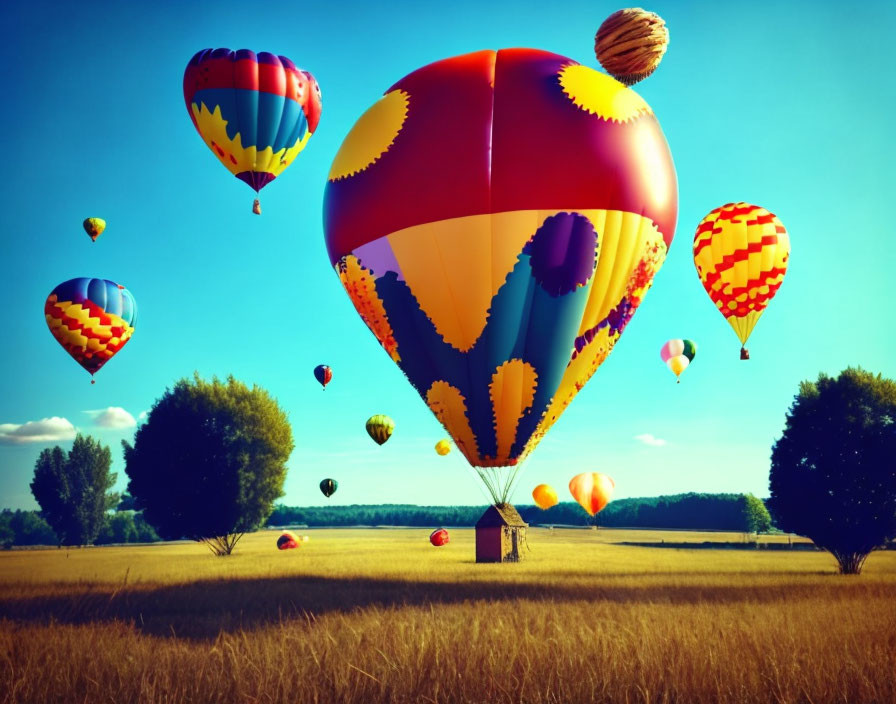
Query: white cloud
(648,439)
(112,418)
(53,429)
(143,415)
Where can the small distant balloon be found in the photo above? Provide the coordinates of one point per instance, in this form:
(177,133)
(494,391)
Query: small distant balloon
(287,541)
(94,227)
(380,427)
(323,374)
(328,487)
(678,354)
(592,490)
(439,537)
(630,44)
(443,447)
(545,496)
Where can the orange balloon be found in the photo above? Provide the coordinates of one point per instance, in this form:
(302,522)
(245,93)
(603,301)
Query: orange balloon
(592,490)
(544,496)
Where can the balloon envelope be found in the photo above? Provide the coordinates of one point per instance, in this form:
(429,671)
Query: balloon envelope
(630,44)
(328,487)
(592,490)
(439,537)
(94,227)
(545,496)
(93,319)
(380,427)
(323,374)
(255,112)
(287,541)
(741,252)
(496,219)
(443,447)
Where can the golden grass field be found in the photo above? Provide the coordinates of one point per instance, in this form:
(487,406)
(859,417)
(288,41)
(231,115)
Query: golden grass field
(381,616)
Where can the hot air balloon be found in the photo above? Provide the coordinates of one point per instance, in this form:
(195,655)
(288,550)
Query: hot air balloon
(544,496)
(592,490)
(94,227)
(498,258)
(255,112)
(328,487)
(380,428)
(678,354)
(92,319)
(439,537)
(741,253)
(287,541)
(323,374)
(443,447)
(630,44)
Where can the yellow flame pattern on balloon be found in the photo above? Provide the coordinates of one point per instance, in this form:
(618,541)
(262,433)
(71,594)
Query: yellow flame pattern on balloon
(231,152)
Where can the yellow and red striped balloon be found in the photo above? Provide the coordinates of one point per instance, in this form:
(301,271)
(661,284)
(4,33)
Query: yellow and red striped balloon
(91,318)
(741,253)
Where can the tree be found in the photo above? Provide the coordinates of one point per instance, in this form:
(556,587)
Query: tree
(833,478)
(73,489)
(756,517)
(209,461)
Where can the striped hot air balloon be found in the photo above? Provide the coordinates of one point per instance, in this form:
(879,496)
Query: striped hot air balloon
(256,112)
(380,427)
(92,319)
(741,253)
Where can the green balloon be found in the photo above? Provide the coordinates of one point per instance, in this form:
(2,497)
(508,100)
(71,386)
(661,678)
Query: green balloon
(328,487)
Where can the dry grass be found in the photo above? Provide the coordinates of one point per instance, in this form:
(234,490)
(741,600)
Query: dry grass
(380,616)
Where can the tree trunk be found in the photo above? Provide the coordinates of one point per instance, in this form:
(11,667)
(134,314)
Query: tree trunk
(850,562)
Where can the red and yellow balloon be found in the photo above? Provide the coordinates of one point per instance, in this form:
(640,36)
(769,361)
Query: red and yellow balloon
(741,253)
(592,490)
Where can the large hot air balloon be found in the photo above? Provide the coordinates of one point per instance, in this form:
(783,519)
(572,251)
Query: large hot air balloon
(545,496)
(94,227)
(328,487)
(678,354)
(323,374)
(256,112)
(496,219)
(380,427)
(592,490)
(439,537)
(443,447)
(741,253)
(92,319)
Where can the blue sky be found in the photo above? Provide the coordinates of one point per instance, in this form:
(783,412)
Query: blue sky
(790,108)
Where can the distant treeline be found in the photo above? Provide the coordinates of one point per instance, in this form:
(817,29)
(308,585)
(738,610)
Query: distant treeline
(30,528)
(736,512)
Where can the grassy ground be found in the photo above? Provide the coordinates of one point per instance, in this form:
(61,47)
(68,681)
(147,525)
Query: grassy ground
(381,616)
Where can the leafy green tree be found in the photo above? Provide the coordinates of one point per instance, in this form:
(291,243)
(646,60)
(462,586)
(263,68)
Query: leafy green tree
(756,517)
(209,461)
(118,528)
(29,528)
(833,477)
(73,489)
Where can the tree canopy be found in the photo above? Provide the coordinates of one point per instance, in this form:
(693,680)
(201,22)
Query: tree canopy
(833,477)
(72,489)
(209,461)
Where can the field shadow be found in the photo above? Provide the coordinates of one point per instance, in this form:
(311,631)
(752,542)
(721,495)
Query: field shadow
(203,609)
